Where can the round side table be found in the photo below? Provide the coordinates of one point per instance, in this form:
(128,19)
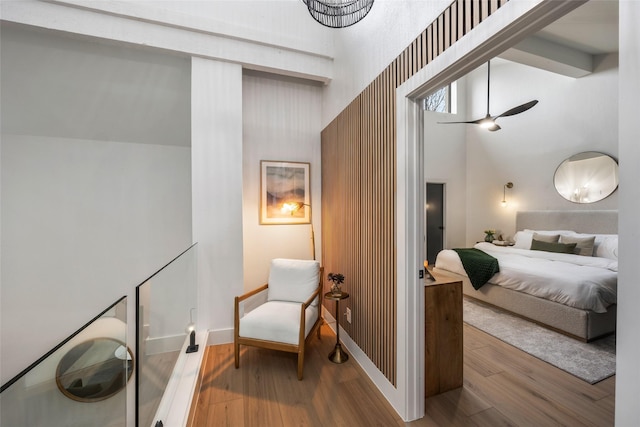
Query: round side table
(338,355)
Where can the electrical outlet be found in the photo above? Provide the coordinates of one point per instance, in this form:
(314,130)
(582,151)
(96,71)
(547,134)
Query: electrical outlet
(348,315)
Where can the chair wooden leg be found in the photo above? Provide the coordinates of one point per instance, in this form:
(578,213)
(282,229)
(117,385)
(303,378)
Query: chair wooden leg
(236,354)
(319,326)
(300,364)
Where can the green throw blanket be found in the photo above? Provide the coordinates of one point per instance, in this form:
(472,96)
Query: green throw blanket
(479,265)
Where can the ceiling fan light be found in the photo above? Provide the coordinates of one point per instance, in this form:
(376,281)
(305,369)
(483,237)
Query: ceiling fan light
(487,123)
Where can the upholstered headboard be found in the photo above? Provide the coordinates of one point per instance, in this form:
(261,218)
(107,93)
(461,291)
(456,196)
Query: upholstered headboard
(600,222)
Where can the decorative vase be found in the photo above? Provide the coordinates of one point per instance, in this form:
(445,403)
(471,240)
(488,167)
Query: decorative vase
(488,238)
(336,280)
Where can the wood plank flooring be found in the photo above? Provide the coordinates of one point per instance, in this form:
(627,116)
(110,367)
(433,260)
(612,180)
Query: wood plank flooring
(503,386)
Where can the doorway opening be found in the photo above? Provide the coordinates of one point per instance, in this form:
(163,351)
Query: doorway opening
(434,220)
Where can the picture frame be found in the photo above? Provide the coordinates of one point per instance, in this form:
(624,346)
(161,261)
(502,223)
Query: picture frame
(284,182)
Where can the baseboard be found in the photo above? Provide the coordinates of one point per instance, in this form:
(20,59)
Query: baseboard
(220,336)
(370,369)
(160,345)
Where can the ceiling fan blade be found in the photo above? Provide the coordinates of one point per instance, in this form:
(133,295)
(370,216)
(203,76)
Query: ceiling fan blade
(472,122)
(519,109)
(489,122)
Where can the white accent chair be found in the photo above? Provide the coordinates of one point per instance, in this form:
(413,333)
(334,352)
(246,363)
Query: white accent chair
(291,313)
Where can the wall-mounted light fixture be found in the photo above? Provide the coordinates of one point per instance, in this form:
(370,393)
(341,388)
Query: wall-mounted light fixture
(504,194)
(292,207)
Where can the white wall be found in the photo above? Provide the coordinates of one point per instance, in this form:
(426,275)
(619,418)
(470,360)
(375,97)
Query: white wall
(281,121)
(88,212)
(364,50)
(217,191)
(60,86)
(83,223)
(628,345)
(284,23)
(445,162)
(572,115)
(276,35)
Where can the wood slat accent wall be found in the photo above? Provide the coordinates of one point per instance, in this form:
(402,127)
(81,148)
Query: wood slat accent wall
(359,186)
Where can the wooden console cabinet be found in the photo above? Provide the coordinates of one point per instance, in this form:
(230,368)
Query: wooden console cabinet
(443,334)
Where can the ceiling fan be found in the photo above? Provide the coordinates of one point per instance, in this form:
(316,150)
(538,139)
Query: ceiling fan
(489,121)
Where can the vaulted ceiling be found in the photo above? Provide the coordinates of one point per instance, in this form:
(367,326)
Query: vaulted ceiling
(569,45)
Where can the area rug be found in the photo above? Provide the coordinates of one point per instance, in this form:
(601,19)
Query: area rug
(591,362)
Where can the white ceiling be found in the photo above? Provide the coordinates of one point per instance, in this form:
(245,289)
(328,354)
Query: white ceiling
(591,28)
(569,45)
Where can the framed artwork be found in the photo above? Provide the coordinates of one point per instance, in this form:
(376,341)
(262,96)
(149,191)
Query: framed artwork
(285,194)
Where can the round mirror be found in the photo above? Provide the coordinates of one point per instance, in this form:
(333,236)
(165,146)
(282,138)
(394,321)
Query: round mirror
(586,177)
(94,370)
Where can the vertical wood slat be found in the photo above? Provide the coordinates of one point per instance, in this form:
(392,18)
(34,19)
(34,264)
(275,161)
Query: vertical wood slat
(430,54)
(423,49)
(461,18)
(468,16)
(493,6)
(440,35)
(453,21)
(447,28)
(484,9)
(359,184)
(477,12)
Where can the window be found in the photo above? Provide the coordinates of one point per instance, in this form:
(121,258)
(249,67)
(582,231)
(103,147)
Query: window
(440,101)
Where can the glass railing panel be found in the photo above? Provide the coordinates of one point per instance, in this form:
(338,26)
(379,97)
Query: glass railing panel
(166,304)
(81,382)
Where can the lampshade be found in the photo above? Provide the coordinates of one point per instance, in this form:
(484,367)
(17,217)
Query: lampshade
(292,207)
(338,13)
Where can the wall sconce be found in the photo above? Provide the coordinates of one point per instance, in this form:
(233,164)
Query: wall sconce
(504,194)
(291,208)
(191,330)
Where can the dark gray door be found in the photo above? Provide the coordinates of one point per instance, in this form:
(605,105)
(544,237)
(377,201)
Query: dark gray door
(435,220)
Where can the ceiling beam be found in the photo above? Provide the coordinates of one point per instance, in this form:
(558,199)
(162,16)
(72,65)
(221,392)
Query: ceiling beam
(540,53)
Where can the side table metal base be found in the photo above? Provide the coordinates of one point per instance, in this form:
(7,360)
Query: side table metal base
(338,355)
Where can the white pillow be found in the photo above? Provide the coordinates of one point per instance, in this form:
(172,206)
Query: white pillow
(522,240)
(606,246)
(293,280)
(550,232)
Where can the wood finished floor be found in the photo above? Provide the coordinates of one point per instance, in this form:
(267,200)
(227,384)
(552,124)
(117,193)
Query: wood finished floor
(503,386)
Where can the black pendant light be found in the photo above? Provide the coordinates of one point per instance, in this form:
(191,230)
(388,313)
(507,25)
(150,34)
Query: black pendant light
(338,13)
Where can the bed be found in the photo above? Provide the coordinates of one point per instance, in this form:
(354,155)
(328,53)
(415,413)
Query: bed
(573,292)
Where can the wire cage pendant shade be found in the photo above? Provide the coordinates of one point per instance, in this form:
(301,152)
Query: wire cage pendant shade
(338,13)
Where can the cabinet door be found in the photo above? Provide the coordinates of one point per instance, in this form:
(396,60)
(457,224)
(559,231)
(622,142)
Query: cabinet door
(443,337)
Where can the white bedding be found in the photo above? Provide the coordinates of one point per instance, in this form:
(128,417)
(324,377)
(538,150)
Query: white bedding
(584,282)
